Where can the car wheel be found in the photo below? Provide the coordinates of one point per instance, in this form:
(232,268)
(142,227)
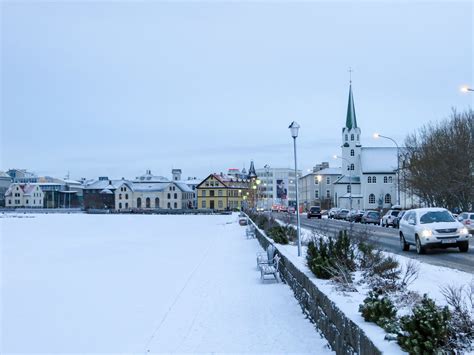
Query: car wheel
(420,249)
(464,247)
(403,244)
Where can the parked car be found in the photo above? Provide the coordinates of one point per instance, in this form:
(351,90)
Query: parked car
(354,216)
(314,211)
(467,218)
(396,221)
(432,228)
(332,212)
(291,209)
(341,214)
(370,217)
(387,219)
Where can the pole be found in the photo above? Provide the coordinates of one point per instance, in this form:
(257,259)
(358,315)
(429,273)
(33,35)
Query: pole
(298,228)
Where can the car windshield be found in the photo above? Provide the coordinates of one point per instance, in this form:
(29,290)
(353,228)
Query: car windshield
(436,216)
(315,209)
(395,213)
(373,214)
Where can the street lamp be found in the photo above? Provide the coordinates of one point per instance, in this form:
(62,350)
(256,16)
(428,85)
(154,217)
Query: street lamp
(294,127)
(377,135)
(466,89)
(350,179)
(267,173)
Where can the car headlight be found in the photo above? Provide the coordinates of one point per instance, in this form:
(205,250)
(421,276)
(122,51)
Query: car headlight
(463,230)
(426,233)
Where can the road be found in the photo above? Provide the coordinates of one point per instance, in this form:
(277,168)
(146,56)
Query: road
(387,239)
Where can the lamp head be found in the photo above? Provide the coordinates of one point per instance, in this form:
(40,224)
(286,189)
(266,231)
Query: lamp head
(335,156)
(376,135)
(294,127)
(464,89)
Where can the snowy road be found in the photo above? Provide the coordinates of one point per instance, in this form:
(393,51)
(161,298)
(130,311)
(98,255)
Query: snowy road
(138,283)
(387,239)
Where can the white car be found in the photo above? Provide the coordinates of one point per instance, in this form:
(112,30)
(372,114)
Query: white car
(389,217)
(432,228)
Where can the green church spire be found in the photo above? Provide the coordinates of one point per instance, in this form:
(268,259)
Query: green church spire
(351,121)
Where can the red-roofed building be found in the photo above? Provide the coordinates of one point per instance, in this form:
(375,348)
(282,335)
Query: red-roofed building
(24,195)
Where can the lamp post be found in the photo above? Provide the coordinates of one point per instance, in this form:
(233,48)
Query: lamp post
(377,135)
(350,180)
(294,127)
(267,172)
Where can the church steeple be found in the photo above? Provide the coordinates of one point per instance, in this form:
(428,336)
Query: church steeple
(252,173)
(351,121)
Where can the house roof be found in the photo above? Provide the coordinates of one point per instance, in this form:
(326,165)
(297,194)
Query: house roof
(329,171)
(378,160)
(26,188)
(183,187)
(149,177)
(346,179)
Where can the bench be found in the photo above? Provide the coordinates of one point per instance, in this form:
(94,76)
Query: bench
(266,256)
(250,232)
(270,268)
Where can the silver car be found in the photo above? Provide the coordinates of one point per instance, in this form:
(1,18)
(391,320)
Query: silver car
(467,218)
(432,228)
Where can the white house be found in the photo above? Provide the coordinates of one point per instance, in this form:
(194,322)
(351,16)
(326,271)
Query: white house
(24,195)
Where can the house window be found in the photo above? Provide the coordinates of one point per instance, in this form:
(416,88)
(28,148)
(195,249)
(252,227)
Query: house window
(9,202)
(147,202)
(328,194)
(352,137)
(390,179)
(219,204)
(139,202)
(157,202)
(388,198)
(203,203)
(175,205)
(374,180)
(369,179)
(352,152)
(169,196)
(126,196)
(169,204)
(219,193)
(120,196)
(349,188)
(316,180)
(316,194)
(385,179)
(211,193)
(126,204)
(120,205)
(371,198)
(328,180)
(175,195)
(203,193)
(26,201)
(352,166)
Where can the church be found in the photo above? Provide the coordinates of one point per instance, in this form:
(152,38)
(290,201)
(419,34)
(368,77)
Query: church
(368,177)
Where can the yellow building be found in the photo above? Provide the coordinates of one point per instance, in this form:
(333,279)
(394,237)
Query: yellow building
(223,192)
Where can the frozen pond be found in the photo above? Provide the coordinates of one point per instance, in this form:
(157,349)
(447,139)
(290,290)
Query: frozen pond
(138,283)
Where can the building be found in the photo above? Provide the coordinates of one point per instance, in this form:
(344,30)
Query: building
(368,177)
(146,192)
(317,187)
(223,193)
(5,182)
(22,176)
(24,195)
(277,187)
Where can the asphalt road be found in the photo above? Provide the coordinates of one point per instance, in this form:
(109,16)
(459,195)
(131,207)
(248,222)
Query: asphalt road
(387,239)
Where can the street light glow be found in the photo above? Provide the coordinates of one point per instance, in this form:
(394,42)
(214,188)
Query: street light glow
(335,156)
(466,88)
(376,135)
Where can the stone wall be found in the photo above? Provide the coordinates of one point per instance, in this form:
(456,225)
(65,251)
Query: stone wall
(343,335)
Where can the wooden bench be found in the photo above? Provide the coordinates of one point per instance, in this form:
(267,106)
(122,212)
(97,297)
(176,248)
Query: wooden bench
(270,268)
(266,256)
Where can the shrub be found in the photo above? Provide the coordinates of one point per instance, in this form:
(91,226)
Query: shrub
(379,309)
(278,234)
(426,330)
(328,258)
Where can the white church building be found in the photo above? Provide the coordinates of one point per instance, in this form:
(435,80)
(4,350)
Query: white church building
(369,174)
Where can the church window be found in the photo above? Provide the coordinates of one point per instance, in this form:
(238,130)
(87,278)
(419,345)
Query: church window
(374,179)
(369,179)
(316,193)
(357,137)
(388,199)
(328,194)
(390,179)
(352,152)
(371,198)
(352,166)
(348,188)
(120,205)
(352,137)
(328,180)
(347,137)
(120,196)
(385,179)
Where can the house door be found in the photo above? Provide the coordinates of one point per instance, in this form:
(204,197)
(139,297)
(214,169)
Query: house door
(211,204)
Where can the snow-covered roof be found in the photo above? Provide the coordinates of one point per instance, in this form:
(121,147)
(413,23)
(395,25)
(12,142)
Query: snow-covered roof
(4,175)
(378,160)
(106,191)
(190,181)
(149,177)
(183,187)
(26,188)
(102,184)
(329,171)
(346,179)
(154,186)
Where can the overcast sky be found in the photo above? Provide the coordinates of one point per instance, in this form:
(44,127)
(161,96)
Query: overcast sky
(115,88)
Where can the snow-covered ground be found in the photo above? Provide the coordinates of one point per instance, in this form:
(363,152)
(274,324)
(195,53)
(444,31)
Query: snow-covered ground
(137,283)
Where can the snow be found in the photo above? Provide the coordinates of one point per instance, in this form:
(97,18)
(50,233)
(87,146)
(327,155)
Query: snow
(132,283)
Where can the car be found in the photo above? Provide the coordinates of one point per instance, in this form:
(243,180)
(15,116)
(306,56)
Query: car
(467,218)
(332,212)
(314,211)
(396,221)
(291,209)
(341,214)
(370,217)
(354,216)
(432,227)
(387,219)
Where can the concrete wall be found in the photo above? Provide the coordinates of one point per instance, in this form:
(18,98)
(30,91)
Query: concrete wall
(344,336)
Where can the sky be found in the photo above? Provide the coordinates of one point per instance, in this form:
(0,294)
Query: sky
(115,88)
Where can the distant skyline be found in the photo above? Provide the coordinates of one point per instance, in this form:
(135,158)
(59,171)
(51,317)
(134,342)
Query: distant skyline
(116,88)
